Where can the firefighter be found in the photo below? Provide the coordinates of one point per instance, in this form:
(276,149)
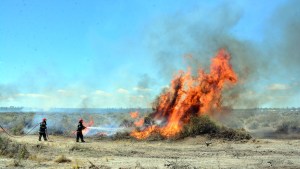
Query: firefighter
(43,130)
(80,127)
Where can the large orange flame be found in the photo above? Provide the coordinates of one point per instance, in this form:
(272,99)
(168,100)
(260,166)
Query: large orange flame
(188,96)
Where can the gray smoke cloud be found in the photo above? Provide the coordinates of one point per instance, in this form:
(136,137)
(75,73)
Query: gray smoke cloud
(283,30)
(144,89)
(202,32)
(145,82)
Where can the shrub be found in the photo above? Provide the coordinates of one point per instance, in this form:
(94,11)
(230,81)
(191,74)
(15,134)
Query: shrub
(203,125)
(121,135)
(18,128)
(231,134)
(155,136)
(13,150)
(199,126)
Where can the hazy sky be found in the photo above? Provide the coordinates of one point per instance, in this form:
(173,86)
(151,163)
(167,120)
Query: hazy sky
(122,53)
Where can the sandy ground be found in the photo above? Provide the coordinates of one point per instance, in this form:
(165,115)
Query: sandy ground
(189,153)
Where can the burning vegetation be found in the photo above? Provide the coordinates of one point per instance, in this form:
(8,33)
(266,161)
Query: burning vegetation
(184,109)
(187,100)
(87,125)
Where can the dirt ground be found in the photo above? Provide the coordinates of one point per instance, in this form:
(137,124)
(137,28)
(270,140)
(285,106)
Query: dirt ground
(187,153)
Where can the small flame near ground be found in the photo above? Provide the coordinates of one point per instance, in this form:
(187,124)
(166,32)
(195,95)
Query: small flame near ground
(134,114)
(139,122)
(88,124)
(189,96)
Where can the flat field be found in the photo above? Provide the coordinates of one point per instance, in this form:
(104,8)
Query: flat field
(275,144)
(186,153)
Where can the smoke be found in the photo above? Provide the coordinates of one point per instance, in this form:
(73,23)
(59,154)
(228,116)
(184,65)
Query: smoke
(8,93)
(65,124)
(283,30)
(266,123)
(144,90)
(193,38)
(282,39)
(190,38)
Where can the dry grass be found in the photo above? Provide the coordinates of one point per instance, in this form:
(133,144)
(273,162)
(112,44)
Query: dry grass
(38,158)
(176,164)
(15,164)
(93,166)
(76,164)
(62,159)
(13,150)
(121,136)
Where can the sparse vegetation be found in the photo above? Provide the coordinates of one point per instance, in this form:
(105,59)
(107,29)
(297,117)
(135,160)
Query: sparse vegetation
(62,159)
(288,127)
(93,166)
(267,124)
(176,164)
(124,151)
(13,150)
(16,122)
(39,158)
(76,164)
(15,163)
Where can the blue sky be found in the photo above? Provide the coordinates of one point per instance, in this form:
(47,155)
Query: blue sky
(102,53)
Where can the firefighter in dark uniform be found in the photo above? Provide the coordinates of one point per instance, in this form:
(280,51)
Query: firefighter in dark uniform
(43,130)
(80,127)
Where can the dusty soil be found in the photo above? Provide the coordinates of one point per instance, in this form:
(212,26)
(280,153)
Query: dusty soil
(187,153)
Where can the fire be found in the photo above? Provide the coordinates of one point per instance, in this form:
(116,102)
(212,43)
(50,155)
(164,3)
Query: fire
(139,122)
(189,95)
(134,115)
(87,125)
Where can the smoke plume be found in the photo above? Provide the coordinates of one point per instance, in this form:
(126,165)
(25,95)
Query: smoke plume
(194,36)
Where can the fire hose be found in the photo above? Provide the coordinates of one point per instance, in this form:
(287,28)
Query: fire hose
(18,136)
